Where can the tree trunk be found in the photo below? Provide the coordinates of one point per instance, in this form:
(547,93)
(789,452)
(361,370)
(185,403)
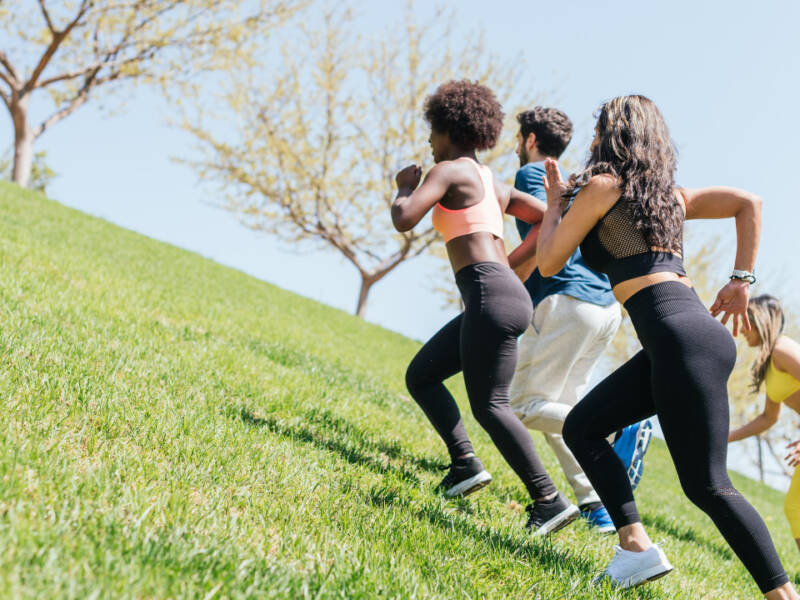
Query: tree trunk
(366,284)
(23,143)
(760,459)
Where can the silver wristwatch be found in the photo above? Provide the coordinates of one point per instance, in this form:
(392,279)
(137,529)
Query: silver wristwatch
(743,276)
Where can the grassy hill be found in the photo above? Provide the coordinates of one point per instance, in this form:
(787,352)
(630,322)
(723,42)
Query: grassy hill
(174,428)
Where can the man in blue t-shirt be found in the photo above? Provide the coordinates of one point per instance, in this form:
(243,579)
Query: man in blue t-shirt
(575,317)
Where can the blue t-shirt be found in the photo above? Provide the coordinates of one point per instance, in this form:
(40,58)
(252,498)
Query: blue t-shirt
(575,279)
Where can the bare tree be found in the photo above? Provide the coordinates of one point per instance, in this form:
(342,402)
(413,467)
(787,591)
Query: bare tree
(66,50)
(309,148)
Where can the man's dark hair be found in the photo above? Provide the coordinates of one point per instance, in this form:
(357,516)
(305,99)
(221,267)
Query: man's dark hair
(468,112)
(552,128)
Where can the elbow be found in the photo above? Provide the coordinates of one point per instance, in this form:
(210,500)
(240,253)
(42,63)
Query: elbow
(546,268)
(402,225)
(752,205)
(400,220)
(755,203)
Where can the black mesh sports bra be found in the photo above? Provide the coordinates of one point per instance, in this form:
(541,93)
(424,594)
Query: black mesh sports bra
(615,247)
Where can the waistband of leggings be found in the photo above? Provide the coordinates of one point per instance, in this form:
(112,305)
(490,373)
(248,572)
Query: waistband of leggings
(482,268)
(663,299)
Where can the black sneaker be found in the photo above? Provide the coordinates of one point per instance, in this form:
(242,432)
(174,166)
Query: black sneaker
(466,475)
(551,515)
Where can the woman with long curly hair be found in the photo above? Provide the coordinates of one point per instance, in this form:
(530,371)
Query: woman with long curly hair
(778,367)
(627,217)
(468,206)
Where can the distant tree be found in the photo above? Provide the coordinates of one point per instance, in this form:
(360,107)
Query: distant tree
(64,51)
(309,148)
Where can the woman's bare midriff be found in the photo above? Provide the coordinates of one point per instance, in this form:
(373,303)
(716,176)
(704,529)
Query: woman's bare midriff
(472,248)
(626,289)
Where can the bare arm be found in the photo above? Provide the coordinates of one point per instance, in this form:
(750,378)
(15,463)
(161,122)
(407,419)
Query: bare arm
(525,207)
(523,258)
(722,203)
(758,425)
(559,237)
(412,203)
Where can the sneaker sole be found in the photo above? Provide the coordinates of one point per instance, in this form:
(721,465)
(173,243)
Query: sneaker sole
(647,576)
(608,529)
(640,446)
(473,484)
(561,520)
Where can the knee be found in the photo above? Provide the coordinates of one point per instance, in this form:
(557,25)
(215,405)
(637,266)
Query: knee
(414,380)
(485,414)
(707,497)
(573,431)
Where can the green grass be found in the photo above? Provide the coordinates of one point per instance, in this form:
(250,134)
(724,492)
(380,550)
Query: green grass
(174,428)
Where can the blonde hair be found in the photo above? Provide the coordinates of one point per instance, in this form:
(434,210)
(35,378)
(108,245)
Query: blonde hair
(766,315)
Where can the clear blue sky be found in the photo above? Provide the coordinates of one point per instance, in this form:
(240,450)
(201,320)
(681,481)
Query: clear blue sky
(725,74)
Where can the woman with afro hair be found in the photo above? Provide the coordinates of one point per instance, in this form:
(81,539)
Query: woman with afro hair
(468,206)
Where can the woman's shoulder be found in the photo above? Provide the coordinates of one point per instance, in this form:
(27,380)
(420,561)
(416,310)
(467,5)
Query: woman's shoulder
(785,349)
(599,194)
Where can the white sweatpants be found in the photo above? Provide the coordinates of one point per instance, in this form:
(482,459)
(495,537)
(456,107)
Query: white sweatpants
(556,356)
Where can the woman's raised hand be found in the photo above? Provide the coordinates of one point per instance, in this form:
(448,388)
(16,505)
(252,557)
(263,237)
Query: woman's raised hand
(732,300)
(408,178)
(553,184)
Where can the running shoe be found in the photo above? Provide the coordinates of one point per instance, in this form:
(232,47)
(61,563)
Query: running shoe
(628,569)
(599,519)
(631,447)
(552,515)
(466,475)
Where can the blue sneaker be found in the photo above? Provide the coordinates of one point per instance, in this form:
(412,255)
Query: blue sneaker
(599,519)
(631,448)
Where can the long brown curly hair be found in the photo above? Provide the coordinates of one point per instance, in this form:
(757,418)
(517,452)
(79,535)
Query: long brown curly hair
(634,146)
(766,315)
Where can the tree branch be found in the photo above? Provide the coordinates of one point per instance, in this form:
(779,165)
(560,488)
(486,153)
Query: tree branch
(58,37)
(5,78)
(76,102)
(12,72)
(68,75)
(4,97)
(46,16)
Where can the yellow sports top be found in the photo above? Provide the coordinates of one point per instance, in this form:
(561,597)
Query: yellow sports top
(780,384)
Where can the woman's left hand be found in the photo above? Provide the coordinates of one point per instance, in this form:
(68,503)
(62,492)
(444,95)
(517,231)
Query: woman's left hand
(793,458)
(553,184)
(732,300)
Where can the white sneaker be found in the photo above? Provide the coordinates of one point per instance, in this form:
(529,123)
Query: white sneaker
(628,569)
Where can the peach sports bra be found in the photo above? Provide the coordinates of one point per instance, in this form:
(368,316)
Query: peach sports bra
(486,215)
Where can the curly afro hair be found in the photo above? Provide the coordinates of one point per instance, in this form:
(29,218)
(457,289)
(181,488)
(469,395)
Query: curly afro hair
(468,112)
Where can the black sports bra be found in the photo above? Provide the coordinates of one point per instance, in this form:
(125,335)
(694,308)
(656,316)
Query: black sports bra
(615,247)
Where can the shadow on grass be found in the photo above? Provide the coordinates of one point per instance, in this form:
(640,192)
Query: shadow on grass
(668,526)
(349,450)
(392,449)
(335,435)
(327,371)
(558,563)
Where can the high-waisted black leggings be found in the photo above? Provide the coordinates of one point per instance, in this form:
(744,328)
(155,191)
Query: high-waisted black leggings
(481,342)
(680,375)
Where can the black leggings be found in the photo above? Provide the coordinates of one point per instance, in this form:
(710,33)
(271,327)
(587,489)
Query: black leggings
(481,342)
(680,375)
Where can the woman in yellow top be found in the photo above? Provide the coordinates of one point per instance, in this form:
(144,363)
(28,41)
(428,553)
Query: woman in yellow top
(778,367)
